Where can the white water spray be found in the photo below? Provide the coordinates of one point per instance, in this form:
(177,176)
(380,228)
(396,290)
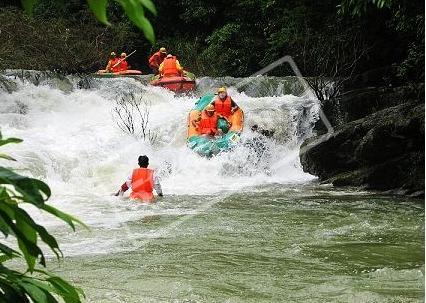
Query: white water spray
(72,142)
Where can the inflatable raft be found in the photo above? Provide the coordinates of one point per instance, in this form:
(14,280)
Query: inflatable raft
(208,146)
(178,84)
(129,72)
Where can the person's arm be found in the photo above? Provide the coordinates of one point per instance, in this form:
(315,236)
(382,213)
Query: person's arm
(234,106)
(160,68)
(108,67)
(196,122)
(179,68)
(124,187)
(157,186)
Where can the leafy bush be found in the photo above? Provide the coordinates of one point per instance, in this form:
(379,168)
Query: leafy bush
(34,285)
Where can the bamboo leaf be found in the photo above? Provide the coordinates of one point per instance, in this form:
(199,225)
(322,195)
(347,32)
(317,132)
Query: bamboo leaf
(63,216)
(99,8)
(41,231)
(31,237)
(11,292)
(69,293)
(37,294)
(26,237)
(149,6)
(8,251)
(30,189)
(136,14)
(10,140)
(7,157)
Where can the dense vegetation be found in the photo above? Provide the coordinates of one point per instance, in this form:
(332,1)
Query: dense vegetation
(220,37)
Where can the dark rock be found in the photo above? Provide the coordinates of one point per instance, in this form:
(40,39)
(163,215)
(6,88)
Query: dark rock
(356,104)
(383,151)
(7,85)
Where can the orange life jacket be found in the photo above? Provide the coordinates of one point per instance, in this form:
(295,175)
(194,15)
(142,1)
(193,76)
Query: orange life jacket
(208,125)
(142,184)
(116,68)
(156,59)
(123,66)
(169,67)
(223,107)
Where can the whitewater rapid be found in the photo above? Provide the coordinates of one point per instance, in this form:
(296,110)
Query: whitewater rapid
(73,143)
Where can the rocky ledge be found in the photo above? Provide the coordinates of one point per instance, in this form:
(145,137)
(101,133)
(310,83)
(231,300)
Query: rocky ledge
(382,151)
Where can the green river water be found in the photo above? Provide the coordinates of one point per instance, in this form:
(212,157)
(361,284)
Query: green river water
(304,243)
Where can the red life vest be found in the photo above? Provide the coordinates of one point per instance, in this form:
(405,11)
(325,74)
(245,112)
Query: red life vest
(116,68)
(208,125)
(156,59)
(142,184)
(169,67)
(123,66)
(223,107)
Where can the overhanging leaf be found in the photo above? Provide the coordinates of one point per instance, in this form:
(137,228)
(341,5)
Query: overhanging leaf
(63,216)
(136,14)
(99,8)
(7,157)
(37,294)
(41,231)
(8,251)
(10,140)
(30,189)
(26,237)
(149,6)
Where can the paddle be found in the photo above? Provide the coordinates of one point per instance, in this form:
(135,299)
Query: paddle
(121,60)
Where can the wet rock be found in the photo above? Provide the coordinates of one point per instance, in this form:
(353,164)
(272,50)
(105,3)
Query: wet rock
(359,103)
(383,151)
(53,79)
(7,85)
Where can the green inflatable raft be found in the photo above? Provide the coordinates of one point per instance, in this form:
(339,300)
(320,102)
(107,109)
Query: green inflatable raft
(209,146)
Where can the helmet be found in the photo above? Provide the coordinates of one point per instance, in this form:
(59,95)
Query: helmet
(221,90)
(113,54)
(123,55)
(163,50)
(210,108)
(169,56)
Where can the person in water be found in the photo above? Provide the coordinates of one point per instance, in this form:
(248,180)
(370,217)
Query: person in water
(207,122)
(156,59)
(142,182)
(224,105)
(170,67)
(113,59)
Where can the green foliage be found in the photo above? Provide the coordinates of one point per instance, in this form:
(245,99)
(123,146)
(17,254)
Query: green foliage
(35,285)
(230,50)
(359,7)
(134,9)
(70,45)
(222,38)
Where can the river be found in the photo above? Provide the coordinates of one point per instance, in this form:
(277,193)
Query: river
(240,227)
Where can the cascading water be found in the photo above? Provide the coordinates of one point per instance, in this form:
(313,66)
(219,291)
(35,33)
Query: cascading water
(242,225)
(78,148)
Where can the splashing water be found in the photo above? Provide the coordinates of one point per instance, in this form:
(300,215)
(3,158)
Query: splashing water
(71,139)
(244,226)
